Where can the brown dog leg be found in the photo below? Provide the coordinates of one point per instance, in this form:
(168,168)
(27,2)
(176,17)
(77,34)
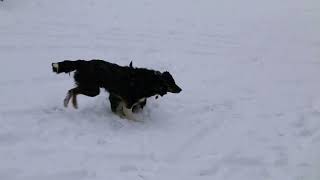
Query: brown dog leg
(72,94)
(67,98)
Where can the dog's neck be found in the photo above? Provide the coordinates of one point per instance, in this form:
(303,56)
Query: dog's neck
(159,87)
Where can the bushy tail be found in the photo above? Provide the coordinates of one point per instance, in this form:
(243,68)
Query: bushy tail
(67,66)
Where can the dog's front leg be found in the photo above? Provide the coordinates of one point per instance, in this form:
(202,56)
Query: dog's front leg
(127,110)
(128,113)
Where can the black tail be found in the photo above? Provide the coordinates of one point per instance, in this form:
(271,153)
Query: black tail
(66,66)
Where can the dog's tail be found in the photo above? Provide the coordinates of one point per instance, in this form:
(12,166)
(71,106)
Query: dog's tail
(67,66)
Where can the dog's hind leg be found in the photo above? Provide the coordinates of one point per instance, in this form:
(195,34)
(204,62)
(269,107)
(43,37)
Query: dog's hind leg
(67,98)
(72,94)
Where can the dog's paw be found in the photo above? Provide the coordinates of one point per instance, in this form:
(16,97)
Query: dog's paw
(136,109)
(128,113)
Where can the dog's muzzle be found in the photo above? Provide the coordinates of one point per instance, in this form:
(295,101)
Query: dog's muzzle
(174,89)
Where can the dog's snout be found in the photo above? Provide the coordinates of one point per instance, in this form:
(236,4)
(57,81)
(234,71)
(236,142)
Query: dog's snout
(178,90)
(175,89)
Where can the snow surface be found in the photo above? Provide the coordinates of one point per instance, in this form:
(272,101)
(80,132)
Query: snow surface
(249,110)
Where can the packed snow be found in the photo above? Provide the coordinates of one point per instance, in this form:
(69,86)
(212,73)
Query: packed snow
(249,109)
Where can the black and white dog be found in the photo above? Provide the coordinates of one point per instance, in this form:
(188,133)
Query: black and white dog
(128,87)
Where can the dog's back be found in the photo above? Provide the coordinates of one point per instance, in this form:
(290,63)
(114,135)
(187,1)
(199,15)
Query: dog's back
(97,73)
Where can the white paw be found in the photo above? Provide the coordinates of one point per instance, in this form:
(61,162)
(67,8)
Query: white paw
(128,114)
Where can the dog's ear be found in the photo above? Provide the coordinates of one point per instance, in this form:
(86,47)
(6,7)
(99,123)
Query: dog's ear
(158,73)
(130,65)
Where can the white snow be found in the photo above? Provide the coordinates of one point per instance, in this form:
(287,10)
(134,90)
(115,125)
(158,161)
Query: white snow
(249,109)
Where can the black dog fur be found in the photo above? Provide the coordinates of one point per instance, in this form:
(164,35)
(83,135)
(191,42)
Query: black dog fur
(127,86)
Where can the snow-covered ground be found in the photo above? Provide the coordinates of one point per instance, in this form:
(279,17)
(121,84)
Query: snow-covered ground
(249,110)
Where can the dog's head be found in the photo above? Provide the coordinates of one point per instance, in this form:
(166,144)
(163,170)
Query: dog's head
(168,84)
